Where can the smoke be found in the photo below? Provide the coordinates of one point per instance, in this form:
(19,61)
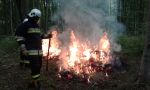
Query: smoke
(89,19)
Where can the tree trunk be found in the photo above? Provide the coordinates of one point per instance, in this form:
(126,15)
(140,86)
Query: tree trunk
(11,21)
(144,75)
(25,8)
(18,4)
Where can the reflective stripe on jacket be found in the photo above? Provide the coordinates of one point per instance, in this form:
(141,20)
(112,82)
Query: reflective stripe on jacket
(34,30)
(35,52)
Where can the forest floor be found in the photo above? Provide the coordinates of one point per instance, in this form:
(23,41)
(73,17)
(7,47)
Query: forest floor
(12,77)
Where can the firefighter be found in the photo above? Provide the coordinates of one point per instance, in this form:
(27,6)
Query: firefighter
(24,62)
(30,40)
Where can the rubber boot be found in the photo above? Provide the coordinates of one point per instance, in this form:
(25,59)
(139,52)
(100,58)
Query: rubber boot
(21,64)
(37,85)
(26,65)
(34,84)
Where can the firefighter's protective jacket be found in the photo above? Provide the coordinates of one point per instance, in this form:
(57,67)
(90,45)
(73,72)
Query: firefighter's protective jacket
(29,33)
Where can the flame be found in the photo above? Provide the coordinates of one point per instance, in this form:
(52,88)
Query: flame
(54,45)
(73,50)
(78,55)
(104,43)
(45,43)
(104,47)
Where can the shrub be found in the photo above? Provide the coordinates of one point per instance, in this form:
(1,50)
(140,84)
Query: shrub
(7,44)
(132,45)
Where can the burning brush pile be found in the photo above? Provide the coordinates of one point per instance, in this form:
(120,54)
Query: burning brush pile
(80,59)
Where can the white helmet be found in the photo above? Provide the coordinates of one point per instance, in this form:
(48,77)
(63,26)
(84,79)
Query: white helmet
(34,13)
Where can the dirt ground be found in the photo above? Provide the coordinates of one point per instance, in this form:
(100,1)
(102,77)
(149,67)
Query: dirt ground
(12,77)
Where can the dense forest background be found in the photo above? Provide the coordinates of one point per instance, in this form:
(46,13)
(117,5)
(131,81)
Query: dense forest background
(14,11)
(133,14)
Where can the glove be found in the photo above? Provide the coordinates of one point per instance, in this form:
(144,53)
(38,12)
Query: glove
(23,49)
(48,35)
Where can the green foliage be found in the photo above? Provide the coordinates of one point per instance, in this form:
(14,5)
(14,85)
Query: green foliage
(133,15)
(7,45)
(132,45)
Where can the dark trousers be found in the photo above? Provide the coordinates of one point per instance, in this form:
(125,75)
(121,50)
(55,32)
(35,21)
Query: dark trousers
(24,59)
(35,65)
